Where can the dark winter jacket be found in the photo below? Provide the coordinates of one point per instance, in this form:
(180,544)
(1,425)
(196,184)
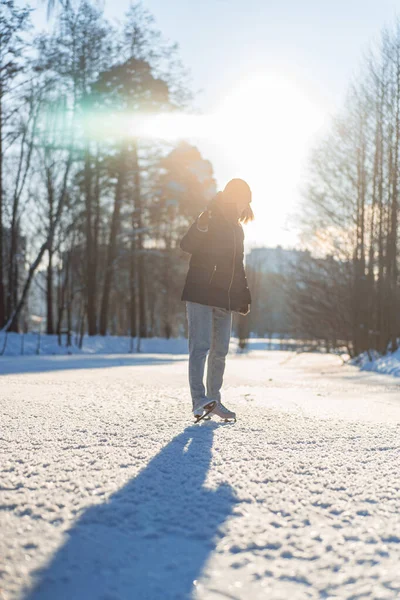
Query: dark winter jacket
(216,275)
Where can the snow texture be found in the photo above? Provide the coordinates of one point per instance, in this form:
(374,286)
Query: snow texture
(108,492)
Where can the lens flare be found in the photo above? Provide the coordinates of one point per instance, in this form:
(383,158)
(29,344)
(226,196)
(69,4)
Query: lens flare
(261,131)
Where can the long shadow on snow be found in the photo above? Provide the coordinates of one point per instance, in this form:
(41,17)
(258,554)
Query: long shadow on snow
(45,364)
(150,541)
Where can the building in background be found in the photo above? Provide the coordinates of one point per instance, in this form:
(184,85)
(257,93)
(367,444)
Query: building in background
(277,260)
(269,271)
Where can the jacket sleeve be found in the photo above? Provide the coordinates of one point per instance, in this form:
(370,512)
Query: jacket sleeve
(193,239)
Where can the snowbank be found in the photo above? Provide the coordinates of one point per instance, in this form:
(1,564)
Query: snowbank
(387,365)
(32,343)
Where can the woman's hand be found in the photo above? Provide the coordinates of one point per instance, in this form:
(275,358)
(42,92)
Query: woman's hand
(203,219)
(244,310)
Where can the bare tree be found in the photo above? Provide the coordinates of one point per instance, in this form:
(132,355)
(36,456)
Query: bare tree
(352,200)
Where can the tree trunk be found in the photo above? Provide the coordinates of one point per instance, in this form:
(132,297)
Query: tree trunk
(90,253)
(393,308)
(132,287)
(49,294)
(2,303)
(112,250)
(12,286)
(140,257)
(167,288)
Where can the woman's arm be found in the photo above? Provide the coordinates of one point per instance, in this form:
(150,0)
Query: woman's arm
(196,235)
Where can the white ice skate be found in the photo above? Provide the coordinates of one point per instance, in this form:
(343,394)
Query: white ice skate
(203,410)
(221,411)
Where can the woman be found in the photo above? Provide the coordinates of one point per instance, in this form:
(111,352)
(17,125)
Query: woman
(215,287)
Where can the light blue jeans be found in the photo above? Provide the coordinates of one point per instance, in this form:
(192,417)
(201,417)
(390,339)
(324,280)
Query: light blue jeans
(209,333)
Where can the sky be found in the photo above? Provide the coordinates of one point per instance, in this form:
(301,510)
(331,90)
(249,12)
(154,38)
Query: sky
(271,75)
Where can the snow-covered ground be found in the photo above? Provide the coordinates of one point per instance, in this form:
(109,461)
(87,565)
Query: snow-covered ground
(108,492)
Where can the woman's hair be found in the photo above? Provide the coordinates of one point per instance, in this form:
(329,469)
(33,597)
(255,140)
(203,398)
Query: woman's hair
(234,189)
(247,215)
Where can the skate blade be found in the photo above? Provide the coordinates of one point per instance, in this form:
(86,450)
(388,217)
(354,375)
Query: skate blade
(208,408)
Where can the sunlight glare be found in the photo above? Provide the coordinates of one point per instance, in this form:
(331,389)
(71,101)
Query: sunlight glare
(261,131)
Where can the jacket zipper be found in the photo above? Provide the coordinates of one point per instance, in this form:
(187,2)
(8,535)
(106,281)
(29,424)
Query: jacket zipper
(233,269)
(212,274)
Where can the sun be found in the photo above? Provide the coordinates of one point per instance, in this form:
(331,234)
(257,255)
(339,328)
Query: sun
(265,129)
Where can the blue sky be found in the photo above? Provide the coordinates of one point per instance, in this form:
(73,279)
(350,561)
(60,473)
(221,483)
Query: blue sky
(316,46)
(221,39)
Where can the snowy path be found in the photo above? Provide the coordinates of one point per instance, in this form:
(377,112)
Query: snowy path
(101,498)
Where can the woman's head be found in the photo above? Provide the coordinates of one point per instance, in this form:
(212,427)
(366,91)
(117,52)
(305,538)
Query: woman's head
(235,200)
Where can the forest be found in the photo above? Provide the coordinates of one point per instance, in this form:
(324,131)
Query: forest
(347,292)
(91,213)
